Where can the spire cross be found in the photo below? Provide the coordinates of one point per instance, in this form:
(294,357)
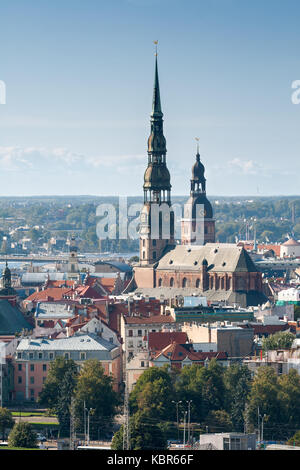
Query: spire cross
(155,42)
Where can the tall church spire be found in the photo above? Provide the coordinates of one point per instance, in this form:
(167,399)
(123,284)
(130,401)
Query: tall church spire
(156,105)
(157,218)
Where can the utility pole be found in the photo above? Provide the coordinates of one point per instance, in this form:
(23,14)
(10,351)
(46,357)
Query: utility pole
(189,420)
(126,429)
(177,404)
(84,421)
(89,411)
(184,421)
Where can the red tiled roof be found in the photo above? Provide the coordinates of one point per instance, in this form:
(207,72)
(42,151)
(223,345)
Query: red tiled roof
(51,294)
(159,340)
(149,320)
(178,352)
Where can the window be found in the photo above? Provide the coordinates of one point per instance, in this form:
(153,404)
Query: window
(154,242)
(32,380)
(198,283)
(40,355)
(32,367)
(32,392)
(67,355)
(30,355)
(19,355)
(154,254)
(82,356)
(130,333)
(172,282)
(51,355)
(19,379)
(142,364)
(140,333)
(20,367)
(160,282)
(44,367)
(184,282)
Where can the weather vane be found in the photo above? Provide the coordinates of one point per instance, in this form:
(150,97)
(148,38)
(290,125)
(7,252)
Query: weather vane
(155,42)
(197,140)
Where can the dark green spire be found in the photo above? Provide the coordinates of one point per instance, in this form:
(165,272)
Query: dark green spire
(156,106)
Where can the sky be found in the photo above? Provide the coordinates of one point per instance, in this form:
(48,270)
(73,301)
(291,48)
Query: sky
(79,80)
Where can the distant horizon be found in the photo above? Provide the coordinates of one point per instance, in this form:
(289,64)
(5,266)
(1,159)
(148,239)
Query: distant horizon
(211,196)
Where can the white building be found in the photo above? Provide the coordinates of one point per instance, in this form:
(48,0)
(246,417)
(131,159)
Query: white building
(289,295)
(291,248)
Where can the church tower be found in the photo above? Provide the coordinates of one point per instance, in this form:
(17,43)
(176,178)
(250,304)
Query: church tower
(157,219)
(198,224)
(73,265)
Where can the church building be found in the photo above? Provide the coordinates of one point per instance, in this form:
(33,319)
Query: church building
(196,264)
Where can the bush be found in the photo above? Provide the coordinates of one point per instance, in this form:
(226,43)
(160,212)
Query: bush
(22,435)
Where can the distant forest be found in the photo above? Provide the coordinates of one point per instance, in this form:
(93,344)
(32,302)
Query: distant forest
(270,219)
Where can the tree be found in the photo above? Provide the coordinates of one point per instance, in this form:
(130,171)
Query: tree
(213,388)
(145,433)
(237,379)
(6,421)
(22,435)
(51,392)
(219,421)
(152,393)
(65,394)
(264,400)
(289,395)
(188,386)
(280,340)
(295,439)
(95,389)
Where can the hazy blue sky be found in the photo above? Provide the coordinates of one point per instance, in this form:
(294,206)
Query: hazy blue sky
(79,78)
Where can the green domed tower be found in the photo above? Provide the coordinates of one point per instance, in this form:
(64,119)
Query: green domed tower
(157,219)
(198,224)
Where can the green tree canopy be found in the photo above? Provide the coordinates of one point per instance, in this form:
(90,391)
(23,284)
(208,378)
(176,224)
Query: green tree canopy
(280,340)
(95,390)
(22,435)
(6,421)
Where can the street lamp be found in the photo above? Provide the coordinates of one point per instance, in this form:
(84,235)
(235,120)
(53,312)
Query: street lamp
(189,419)
(184,421)
(262,427)
(177,403)
(89,411)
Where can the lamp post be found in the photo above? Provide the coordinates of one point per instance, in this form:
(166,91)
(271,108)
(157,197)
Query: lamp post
(189,419)
(262,427)
(89,411)
(177,403)
(184,422)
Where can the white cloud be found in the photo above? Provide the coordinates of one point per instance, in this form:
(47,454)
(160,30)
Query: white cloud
(44,159)
(248,167)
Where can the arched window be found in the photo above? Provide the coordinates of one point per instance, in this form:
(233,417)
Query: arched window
(172,282)
(184,282)
(160,282)
(198,283)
